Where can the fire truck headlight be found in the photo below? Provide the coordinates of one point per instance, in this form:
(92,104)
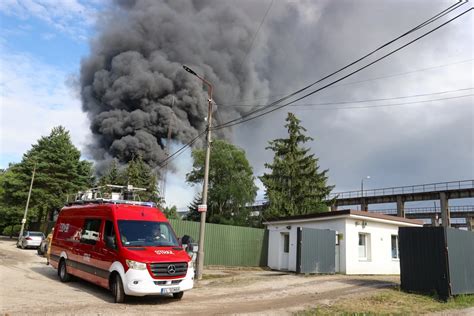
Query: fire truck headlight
(136,265)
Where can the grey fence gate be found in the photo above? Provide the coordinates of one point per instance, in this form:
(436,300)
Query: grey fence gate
(315,251)
(436,259)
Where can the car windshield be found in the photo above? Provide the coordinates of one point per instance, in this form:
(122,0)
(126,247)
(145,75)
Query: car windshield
(36,234)
(145,233)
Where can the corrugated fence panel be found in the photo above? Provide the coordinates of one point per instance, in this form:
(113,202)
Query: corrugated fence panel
(228,245)
(461,260)
(423,262)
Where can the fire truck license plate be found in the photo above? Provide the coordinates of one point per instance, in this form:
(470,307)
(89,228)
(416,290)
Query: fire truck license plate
(170,290)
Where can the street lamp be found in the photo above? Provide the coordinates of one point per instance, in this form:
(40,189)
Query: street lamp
(23,221)
(362,204)
(362,185)
(203,207)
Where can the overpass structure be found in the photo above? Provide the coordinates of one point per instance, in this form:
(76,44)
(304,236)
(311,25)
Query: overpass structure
(461,215)
(442,191)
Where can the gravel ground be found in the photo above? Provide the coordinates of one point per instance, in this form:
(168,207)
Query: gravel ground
(29,286)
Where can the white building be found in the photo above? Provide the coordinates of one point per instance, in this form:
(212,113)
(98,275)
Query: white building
(366,243)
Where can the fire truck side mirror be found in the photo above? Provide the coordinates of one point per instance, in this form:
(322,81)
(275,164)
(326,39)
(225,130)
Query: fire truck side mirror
(110,242)
(188,244)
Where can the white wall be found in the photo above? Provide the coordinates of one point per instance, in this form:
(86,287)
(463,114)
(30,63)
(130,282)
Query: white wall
(380,256)
(275,247)
(379,262)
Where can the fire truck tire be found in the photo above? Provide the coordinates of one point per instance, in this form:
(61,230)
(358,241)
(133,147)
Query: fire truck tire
(178,295)
(117,289)
(64,276)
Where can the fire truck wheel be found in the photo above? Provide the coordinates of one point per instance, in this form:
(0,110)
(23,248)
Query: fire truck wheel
(178,295)
(64,276)
(117,289)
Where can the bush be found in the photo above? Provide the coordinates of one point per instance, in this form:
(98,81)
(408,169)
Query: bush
(11,230)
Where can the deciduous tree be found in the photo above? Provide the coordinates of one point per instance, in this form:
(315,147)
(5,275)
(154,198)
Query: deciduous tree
(231,182)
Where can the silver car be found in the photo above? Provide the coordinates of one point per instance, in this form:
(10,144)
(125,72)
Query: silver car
(31,239)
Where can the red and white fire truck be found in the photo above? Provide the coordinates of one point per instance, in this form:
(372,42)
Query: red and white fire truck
(126,246)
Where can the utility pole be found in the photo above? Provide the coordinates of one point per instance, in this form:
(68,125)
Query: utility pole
(23,221)
(203,207)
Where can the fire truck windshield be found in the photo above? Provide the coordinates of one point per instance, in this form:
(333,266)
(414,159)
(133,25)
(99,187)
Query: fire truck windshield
(145,233)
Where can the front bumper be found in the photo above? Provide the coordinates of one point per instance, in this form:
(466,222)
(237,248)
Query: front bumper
(140,283)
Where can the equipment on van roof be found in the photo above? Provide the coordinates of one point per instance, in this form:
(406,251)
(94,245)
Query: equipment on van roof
(109,193)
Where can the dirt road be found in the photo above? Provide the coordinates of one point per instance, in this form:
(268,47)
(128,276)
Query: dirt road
(29,286)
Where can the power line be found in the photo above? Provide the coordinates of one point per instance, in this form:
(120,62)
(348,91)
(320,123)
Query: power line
(356,82)
(421,25)
(165,161)
(385,99)
(371,100)
(255,35)
(244,119)
(382,105)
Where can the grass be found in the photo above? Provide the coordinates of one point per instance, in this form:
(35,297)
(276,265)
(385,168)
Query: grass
(390,302)
(213,276)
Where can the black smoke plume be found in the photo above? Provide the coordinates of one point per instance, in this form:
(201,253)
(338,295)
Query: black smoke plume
(133,86)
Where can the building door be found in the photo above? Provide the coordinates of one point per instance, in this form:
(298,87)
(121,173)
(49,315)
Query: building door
(316,251)
(285,250)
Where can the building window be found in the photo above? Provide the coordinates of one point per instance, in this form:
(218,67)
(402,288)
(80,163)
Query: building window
(286,243)
(364,246)
(395,253)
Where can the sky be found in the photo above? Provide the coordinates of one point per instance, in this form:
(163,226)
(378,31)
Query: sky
(42,82)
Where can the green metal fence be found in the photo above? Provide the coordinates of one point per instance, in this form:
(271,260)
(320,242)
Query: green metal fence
(228,245)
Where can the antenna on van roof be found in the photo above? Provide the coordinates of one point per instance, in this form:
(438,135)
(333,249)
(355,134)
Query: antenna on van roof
(109,193)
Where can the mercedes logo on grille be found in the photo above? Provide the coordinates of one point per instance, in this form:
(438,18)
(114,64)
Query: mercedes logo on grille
(171,269)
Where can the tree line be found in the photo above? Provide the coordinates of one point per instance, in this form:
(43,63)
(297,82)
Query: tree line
(294,183)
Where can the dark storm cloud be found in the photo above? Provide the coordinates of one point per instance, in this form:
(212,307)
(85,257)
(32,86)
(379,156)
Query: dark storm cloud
(396,146)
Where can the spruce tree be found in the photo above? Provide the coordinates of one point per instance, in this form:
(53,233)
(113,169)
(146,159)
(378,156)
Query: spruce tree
(193,214)
(59,172)
(295,185)
(139,174)
(112,175)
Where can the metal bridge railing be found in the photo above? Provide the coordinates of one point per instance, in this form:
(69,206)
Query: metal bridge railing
(418,210)
(420,188)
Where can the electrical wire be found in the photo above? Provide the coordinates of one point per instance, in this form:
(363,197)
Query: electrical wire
(236,122)
(244,119)
(419,26)
(165,162)
(381,105)
(255,35)
(354,82)
(374,100)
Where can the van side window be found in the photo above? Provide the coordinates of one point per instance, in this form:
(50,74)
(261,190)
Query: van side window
(90,231)
(109,235)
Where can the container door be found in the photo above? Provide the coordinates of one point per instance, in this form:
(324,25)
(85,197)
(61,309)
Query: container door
(284,250)
(316,251)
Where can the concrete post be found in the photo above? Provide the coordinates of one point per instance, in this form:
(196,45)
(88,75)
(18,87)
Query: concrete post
(445,216)
(400,206)
(334,207)
(434,221)
(363,205)
(470,223)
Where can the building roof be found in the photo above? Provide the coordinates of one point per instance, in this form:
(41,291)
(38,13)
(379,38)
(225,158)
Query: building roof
(344,213)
